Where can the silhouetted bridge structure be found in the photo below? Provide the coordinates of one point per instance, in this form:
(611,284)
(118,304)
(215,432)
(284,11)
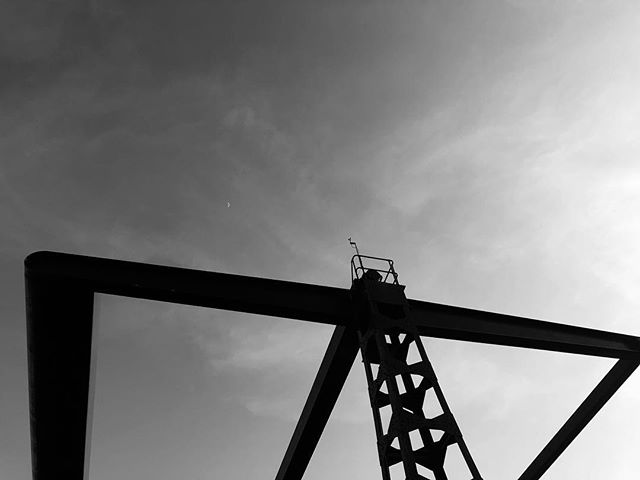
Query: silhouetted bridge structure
(374,317)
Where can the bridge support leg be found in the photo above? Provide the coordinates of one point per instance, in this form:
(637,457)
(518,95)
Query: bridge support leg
(411,432)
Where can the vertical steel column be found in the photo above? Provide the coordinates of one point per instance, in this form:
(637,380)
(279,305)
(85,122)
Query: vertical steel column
(59,335)
(386,335)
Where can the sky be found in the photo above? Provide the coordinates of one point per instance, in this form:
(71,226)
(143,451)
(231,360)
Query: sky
(490,148)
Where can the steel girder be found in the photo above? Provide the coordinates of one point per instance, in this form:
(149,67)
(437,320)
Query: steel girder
(327,385)
(59,296)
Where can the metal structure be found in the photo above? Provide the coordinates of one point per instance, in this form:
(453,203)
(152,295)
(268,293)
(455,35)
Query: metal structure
(373,315)
(386,334)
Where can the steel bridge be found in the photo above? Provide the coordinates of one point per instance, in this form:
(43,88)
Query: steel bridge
(373,316)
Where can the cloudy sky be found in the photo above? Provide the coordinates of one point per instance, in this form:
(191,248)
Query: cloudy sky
(491,148)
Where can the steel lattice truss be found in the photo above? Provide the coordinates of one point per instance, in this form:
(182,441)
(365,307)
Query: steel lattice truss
(59,297)
(386,335)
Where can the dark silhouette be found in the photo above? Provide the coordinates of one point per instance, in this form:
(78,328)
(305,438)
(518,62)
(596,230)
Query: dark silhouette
(374,315)
(386,335)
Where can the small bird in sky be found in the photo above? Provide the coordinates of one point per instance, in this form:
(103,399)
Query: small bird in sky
(228,204)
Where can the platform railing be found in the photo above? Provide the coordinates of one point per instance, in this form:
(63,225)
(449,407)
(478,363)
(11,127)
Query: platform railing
(361,264)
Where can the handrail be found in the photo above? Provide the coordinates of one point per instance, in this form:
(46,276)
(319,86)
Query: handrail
(358,271)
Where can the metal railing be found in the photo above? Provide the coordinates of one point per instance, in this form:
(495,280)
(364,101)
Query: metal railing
(382,266)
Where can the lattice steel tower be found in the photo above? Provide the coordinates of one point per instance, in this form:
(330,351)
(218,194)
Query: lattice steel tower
(413,422)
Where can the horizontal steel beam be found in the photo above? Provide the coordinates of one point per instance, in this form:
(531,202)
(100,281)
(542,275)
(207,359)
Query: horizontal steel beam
(333,372)
(580,418)
(329,305)
(457,323)
(225,291)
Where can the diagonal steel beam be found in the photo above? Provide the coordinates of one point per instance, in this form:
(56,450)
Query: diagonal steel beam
(580,418)
(333,372)
(457,323)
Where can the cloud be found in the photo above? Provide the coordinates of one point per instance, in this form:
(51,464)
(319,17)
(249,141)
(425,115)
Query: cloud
(351,408)
(289,346)
(278,361)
